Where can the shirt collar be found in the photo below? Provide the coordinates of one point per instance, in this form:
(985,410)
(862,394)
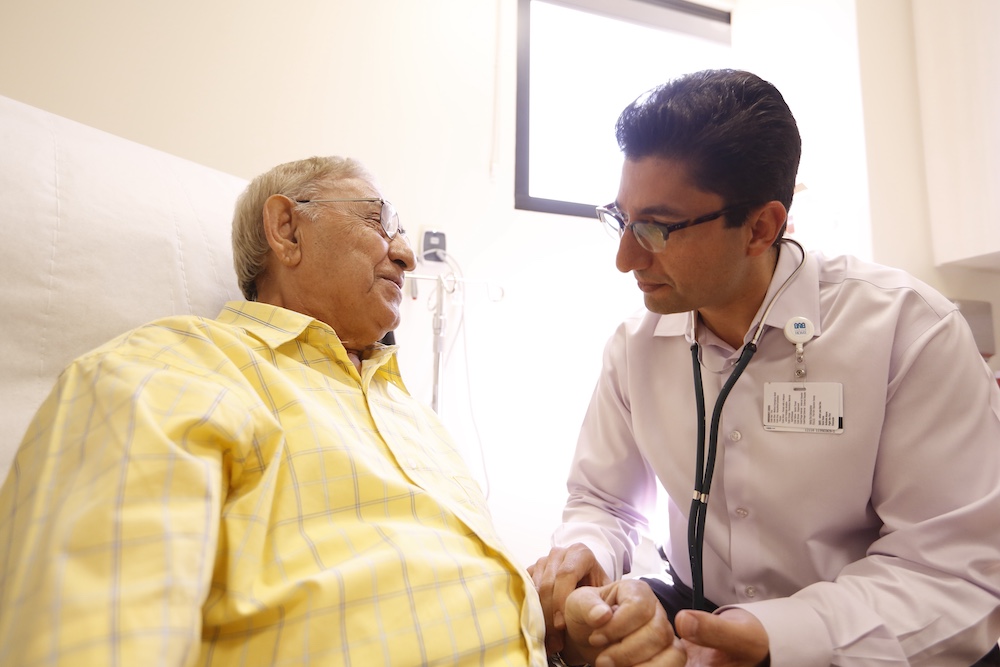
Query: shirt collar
(274,326)
(801,296)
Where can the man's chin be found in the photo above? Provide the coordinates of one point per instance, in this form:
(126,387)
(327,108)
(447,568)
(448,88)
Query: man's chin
(661,306)
(391,322)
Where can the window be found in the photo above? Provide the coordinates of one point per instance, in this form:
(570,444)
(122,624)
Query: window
(580,62)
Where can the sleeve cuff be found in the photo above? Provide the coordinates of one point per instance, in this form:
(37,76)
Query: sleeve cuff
(797,636)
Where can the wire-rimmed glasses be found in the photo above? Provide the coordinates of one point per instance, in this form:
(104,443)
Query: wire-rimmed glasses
(653,235)
(388,217)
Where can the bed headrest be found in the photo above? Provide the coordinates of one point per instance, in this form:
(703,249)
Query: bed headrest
(101,234)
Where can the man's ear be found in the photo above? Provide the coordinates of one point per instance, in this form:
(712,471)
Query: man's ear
(764,226)
(281,227)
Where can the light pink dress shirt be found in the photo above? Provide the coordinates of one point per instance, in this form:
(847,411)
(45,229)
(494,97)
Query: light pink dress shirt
(878,545)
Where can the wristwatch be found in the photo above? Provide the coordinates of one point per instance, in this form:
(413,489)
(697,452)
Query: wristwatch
(556,660)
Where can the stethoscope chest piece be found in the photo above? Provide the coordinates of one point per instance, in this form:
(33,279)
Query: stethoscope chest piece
(798,332)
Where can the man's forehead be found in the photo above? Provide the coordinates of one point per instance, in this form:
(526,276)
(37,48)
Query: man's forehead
(658,182)
(352,188)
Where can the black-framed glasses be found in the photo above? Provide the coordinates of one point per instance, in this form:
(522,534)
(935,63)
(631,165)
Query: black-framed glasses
(388,217)
(653,235)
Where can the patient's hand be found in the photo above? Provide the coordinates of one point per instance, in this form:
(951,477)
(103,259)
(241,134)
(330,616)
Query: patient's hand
(620,624)
(556,575)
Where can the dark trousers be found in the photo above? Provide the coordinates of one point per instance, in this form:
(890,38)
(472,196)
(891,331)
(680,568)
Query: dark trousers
(676,596)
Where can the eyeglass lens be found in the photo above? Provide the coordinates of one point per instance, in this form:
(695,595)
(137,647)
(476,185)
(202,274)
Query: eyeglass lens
(650,236)
(389,219)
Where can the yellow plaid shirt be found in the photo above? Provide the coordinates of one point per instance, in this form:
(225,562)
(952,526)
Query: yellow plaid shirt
(234,492)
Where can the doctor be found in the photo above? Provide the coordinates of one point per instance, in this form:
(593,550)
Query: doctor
(825,430)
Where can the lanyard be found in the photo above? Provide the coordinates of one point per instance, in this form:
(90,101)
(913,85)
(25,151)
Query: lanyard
(705,457)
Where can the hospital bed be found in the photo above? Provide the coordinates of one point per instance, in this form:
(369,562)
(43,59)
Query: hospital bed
(100,234)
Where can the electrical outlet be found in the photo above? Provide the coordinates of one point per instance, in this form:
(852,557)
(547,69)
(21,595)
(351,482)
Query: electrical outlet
(433,247)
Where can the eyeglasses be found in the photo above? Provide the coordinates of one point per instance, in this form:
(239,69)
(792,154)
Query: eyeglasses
(653,235)
(387,215)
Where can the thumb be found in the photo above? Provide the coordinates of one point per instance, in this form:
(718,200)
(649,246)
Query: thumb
(586,608)
(735,632)
(695,626)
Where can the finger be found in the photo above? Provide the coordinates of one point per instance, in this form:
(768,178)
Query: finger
(639,630)
(735,632)
(575,567)
(585,610)
(705,629)
(556,576)
(634,606)
(653,644)
(673,656)
(542,575)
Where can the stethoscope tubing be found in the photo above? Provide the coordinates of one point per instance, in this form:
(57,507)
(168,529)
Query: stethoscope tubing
(705,459)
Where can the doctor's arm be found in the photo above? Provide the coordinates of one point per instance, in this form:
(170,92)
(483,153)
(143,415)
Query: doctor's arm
(929,586)
(611,491)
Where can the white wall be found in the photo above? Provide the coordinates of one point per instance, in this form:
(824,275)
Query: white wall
(894,135)
(958,72)
(424,94)
(809,51)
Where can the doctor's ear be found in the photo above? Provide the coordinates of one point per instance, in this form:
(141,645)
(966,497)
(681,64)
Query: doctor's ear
(765,225)
(281,228)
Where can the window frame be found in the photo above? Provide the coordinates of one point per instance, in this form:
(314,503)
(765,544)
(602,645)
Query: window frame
(523,200)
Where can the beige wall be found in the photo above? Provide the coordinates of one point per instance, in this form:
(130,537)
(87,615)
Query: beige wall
(424,94)
(900,206)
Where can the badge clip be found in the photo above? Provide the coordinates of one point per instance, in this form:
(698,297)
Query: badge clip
(799,331)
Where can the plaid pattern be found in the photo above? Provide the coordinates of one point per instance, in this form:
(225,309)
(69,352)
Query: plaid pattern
(233,492)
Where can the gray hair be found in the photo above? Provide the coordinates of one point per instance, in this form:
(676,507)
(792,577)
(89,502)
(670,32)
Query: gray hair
(302,179)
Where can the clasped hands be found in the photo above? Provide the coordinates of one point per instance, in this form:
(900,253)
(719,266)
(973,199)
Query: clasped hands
(589,619)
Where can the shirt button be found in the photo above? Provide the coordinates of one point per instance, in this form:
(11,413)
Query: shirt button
(750,591)
(742,512)
(735,436)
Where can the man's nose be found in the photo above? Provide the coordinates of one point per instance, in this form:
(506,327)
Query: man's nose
(401,252)
(631,255)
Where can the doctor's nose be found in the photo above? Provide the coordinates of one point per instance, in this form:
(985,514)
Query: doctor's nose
(631,255)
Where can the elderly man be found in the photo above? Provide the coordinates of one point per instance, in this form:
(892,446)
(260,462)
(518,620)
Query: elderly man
(260,489)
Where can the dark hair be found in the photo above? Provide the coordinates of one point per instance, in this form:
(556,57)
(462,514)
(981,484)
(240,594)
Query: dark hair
(732,129)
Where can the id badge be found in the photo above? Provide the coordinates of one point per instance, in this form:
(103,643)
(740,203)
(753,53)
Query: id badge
(804,407)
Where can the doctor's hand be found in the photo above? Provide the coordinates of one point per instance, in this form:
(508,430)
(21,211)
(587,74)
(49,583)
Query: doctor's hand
(556,576)
(619,625)
(732,638)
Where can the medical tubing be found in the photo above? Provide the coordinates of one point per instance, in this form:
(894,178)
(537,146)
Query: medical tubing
(705,469)
(704,485)
(694,553)
(713,437)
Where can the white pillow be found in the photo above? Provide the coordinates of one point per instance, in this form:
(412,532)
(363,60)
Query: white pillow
(100,234)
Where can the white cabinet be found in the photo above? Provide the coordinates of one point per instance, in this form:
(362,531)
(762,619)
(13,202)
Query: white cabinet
(958,75)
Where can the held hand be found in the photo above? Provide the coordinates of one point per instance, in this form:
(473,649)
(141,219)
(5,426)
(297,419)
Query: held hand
(556,576)
(620,625)
(733,638)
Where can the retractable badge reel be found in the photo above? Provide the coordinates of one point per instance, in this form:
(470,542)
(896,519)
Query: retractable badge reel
(799,331)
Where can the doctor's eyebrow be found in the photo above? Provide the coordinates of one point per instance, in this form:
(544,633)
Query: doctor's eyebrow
(662,210)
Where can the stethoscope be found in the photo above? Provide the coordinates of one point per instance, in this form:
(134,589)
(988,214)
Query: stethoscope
(705,465)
